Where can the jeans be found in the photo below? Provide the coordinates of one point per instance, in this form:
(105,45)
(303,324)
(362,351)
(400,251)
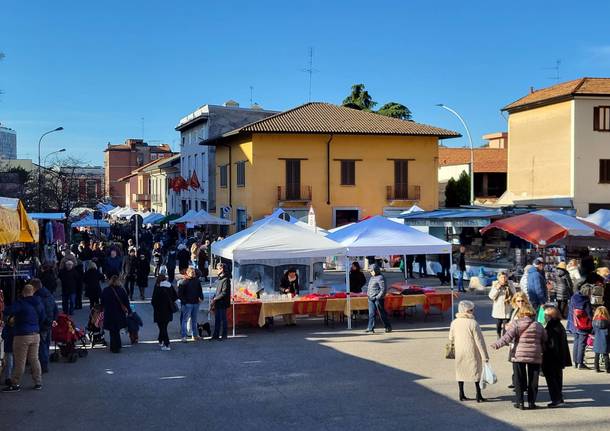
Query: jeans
(8,369)
(188,310)
(526,377)
(460,281)
(25,347)
(43,349)
(374,306)
(220,319)
(163,336)
(67,303)
(578,349)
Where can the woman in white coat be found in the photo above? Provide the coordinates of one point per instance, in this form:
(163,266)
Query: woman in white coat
(470,351)
(501,293)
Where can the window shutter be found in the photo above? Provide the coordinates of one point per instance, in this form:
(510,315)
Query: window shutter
(596,118)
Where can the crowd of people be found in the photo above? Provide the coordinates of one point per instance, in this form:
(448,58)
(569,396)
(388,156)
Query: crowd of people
(107,274)
(529,321)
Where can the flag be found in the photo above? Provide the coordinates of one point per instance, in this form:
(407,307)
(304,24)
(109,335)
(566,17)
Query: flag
(194,181)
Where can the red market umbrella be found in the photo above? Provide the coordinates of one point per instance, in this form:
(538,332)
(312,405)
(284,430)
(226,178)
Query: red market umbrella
(544,228)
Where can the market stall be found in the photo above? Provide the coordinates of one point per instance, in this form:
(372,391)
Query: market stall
(378,236)
(273,240)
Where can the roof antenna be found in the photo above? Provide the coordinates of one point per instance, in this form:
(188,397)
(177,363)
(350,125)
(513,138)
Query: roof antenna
(556,68)
(310,70)
(142,120)
(251,91)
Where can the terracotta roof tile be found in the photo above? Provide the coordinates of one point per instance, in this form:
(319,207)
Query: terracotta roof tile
(317,117)
(485,159)
(565,90)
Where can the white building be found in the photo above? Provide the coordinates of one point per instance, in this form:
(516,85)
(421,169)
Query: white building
(8,143)
(207,122)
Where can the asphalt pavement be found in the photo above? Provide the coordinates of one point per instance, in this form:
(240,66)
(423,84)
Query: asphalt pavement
(301,378)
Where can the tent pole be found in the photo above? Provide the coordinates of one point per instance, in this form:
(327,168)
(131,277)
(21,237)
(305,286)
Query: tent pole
(349,299)
(404,263)
(451,283)
(233,295)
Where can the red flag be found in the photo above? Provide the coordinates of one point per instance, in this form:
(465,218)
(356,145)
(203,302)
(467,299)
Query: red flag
(184,184)
(194,181)
(170,184)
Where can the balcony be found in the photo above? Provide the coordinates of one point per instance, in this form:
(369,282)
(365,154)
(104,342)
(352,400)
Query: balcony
(294,193)
(403,192)
(142,197)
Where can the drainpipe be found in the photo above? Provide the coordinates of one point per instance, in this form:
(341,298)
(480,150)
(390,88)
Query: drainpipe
(328,169)
(229,180)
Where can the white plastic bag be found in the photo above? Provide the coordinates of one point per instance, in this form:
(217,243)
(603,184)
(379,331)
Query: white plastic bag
(488,377)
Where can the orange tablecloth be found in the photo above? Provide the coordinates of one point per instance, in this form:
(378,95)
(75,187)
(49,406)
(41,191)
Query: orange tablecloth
(439,300)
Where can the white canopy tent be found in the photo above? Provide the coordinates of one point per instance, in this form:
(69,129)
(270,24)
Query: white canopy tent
(378,236)
(189,217)
(279,213)
(91,222)
(204,218)
(274,238)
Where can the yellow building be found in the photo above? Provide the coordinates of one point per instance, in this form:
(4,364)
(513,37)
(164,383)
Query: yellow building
(347,164)
(560,144)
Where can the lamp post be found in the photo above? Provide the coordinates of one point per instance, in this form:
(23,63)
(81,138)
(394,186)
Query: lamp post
(471,166)
(44,161)
(39,167)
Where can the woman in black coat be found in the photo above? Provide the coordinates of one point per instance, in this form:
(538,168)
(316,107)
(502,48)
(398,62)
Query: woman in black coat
(47,278)
(184,258)
(93,288)
(163,302)
(357,280)
(171,264)
(142,272)
(115,305)
(556,355)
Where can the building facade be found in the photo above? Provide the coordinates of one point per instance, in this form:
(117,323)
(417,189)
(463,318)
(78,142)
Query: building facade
(87,183)
(120,160)
(490,166)
(207,122)
(346,164)
(8,143)
(163,199)
(560,144)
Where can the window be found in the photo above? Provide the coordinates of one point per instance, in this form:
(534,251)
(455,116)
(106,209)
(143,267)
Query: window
(604,171)
(223,176)
(601,118)
(401,179)
(91,189)
(293,179)
(241,174)
(348,172)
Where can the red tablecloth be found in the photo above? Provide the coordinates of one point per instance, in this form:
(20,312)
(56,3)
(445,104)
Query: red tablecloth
(246,314)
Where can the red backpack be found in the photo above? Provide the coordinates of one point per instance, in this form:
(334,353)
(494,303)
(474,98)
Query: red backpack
(582,321)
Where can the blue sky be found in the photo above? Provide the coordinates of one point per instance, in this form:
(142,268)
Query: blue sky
(98,68)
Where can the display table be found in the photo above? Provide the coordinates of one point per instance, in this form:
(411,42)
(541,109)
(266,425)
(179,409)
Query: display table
(274,309)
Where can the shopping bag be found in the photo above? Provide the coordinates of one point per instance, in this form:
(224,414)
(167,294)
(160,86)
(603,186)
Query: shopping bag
(449,350)
(540,317)
(488,377)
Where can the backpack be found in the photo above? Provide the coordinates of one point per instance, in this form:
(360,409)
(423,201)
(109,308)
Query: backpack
(582,321)
(597,295)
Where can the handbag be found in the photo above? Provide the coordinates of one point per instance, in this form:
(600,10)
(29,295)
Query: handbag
(123,307)
(488,377)
(449,350)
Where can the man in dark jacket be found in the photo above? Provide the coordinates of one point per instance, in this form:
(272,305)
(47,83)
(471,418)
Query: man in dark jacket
(51,311)
(27,314)
(190,294)
(536,285)
(48,278)
(564,288)
(461,264)
(69,281)
(113,264)
(221,301)
(376,292)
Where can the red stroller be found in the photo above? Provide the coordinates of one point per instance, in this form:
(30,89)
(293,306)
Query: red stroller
(67,337)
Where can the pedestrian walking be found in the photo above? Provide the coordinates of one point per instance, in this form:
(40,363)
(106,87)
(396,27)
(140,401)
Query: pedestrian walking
(130,271)
(536,285)
(142,272)
(580,324)
(51,312)
(470,351)
(528,338)
(157,257)
(69,279)
(221,301)
(519,300)
(113,264)
(564,289)
(26,316)
(601,342)
(461,266)
(164,306)
(93,288)
(171,264)
(501,294)
(48,278)
(556,355)
(376,291)
(183,256)
(190,294)
(115,304)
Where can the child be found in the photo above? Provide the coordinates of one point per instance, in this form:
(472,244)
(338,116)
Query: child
(600,331)
(134,322)
(556,355)
(7,337)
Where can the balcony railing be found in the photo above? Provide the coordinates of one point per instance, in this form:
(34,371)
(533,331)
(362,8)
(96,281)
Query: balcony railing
(403,192)
(142,197)
(296,193)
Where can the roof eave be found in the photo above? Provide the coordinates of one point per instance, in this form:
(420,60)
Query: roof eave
(192,122)
(532,105)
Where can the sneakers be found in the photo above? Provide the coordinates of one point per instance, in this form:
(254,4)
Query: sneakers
(166,348)
(183,339)
(12,388)
(37,387)
(160,344)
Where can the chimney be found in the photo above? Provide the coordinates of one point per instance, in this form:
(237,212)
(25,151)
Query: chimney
(231,104)
(256,107)
(532,90)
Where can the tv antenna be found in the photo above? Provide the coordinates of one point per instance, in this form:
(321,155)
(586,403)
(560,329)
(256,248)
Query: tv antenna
(142,120)
(556,68)
(310,71)
(251,91)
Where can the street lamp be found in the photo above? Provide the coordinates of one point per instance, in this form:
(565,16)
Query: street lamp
(59,129)
(44,162)
(471,166)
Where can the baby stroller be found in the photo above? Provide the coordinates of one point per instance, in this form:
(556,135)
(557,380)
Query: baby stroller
(66,337)
(95,326)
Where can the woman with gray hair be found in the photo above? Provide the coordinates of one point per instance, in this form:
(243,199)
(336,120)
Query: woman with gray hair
(470,351)
(376,292)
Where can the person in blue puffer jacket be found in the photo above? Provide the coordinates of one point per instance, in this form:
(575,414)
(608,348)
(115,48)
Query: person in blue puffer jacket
(580,314)
(536,285)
